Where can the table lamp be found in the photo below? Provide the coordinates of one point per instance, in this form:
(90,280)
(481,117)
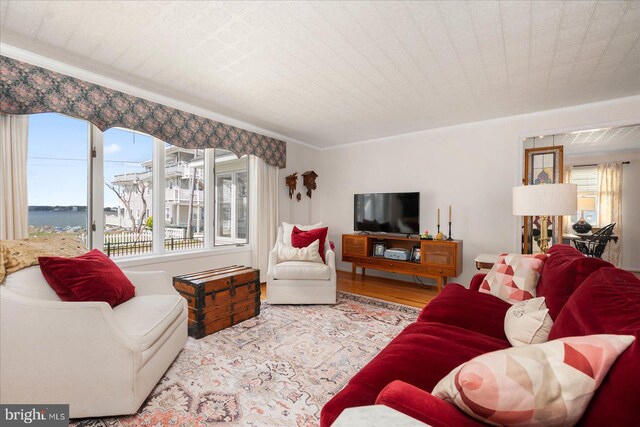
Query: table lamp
(584,204)
(545,200)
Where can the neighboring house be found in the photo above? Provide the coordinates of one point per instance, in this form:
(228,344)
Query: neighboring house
(183,194)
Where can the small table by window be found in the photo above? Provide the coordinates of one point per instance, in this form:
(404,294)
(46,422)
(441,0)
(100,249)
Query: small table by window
(485,261)
(568,238)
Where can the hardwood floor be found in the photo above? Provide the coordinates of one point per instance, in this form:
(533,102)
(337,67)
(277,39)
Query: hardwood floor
(406,293)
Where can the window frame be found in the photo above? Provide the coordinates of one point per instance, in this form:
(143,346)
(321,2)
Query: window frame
(95,204)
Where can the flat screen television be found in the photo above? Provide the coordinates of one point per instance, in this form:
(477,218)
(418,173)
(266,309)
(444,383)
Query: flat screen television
(387,212)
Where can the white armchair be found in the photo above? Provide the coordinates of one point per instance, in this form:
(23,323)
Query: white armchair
(301,282)
(100,360)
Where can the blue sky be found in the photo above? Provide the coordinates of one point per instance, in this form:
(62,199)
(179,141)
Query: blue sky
(58,151)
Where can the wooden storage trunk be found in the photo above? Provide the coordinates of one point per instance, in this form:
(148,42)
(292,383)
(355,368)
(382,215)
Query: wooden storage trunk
(219,298)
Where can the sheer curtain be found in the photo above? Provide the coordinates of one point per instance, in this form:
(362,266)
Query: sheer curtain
(263,211)
(610,206)
(14,206)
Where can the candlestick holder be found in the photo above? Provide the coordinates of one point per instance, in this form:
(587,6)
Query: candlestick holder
(449,238)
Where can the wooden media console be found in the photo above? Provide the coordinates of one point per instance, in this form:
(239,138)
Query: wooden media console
(439,259)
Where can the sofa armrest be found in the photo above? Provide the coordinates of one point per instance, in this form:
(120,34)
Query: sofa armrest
(273,260)
(330,257)
(151,282)
(476,281)
(423,406)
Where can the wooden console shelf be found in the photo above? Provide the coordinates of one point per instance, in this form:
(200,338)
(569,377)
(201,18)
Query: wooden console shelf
(439,258)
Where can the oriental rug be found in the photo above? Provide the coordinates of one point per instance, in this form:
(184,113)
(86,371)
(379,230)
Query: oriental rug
(278,369)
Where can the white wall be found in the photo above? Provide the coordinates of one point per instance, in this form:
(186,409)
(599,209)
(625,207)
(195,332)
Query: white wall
(472,167)
(630,199)
(300,158)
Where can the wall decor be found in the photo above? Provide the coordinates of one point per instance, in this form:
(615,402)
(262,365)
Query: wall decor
(291,182)
(28,89)
(309,181)
(543,165)
(379,248)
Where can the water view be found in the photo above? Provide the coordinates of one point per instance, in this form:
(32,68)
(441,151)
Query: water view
(58,219)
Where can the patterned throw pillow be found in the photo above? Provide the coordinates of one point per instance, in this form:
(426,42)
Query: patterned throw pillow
(18,254)
(547,384)
(528,322)
(514,277)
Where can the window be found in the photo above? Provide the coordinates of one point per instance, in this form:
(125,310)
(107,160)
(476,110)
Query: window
(586,178)
(133,179)
(184,198)
(232,198)
(57,175)
(128,180)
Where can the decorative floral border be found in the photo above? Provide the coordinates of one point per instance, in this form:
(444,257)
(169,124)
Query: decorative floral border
(28,89)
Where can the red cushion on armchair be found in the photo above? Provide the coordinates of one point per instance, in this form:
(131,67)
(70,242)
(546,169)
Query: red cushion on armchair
(89,277)
(302,239)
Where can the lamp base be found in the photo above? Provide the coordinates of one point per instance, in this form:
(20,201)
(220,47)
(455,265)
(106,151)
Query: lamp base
(581,227)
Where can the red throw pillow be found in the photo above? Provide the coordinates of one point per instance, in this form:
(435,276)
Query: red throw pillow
(302,239)
(89,277)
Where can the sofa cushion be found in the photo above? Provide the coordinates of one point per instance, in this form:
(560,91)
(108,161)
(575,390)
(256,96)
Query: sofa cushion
(146,318)
(539,384)
(291,253)
(471,310)
(563,273)
(528,322)
(302,239)
(287,230)
(31,283)
(89,277)
(301,270)
(18,254)
(421,355)
(608,302)
(514,277)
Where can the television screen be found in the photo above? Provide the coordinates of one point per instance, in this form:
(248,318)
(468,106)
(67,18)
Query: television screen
(387,212)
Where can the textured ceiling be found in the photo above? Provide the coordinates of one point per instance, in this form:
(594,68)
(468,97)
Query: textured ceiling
(623,138)
(335,72)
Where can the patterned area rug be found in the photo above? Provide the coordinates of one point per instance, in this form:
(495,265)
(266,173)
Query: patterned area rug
(278,369)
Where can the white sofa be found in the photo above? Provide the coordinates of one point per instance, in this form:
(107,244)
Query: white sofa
(301,282)
(100,360)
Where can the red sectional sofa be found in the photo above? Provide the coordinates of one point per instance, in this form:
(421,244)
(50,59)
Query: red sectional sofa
(584,295)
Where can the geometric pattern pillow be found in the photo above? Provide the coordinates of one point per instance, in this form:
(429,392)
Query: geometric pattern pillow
(547,384)
(514,277)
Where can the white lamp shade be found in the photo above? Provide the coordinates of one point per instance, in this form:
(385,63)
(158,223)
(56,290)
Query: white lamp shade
(545,199)
(586,203)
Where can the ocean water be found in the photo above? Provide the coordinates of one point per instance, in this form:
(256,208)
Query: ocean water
(58,219)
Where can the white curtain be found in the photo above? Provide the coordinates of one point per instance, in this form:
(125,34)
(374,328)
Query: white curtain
(610,207)
(264,211)
(14,206)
